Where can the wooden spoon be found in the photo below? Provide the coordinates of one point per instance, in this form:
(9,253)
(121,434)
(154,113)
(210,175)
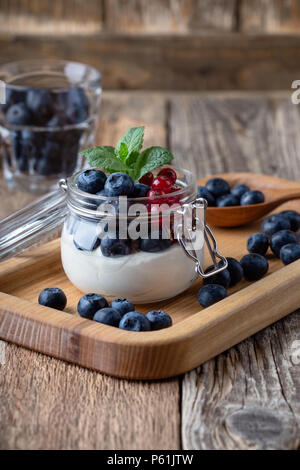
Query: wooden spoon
(276,192)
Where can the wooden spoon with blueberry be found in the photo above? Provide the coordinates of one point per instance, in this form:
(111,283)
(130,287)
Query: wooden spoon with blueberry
(236,199)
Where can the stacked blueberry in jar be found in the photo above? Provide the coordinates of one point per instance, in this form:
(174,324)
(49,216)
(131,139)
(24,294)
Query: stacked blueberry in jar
(51,129)
(218,193)
(95,182)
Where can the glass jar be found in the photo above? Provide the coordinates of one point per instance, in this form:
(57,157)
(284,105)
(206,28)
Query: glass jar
(142,249)
(49,114)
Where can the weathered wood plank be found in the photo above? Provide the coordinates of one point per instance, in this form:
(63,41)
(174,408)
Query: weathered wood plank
(178,62)
(50,17)
(49,404)
(270,16)
(248,397)
(168,16)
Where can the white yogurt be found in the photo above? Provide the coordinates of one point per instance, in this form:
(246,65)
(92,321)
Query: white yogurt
(140,277)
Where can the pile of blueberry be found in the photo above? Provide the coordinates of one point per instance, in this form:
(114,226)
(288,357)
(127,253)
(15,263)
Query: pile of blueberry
(218,193)
(50,150)
(252,267)
(85,234)
(279,232)
(121,312)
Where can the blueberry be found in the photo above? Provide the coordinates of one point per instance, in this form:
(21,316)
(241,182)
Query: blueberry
(140,190)
(252,197)
(108,316)
(211,294)
(205,194)
(217,187)
(77,106)
(281,238)
(57,121)
(258,243)
(53,297)
(235,270)
(294,219)
(50,162)
(155,243)
(119,184)
(135,321)
(91,181)
(18,114)
(12,97)
(274,223)
(122,305)
(255,266)
(239,190)
(40,103)
(113,247)
(222,278)
(159,319)
(228,200)
(86,236)
(290,253)
(89,304)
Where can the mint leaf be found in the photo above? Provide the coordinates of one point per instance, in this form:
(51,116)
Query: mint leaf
(133,139)
(104,157)
(150,159)
(123,151)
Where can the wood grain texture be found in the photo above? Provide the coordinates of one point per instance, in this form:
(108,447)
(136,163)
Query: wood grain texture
(49,404)
(172,62)
(50,17)
(270,16)
(46,403)
(169,16)
(259,134)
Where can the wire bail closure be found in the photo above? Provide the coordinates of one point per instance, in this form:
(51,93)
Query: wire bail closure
(191,211)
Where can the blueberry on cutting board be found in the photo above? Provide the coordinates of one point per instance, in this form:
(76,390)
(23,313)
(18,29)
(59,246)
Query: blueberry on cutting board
(211,294)
(235,270)
(258,243)
(135,321)
(159,319)
(281,238)
(290,253)
(122,305)
(53,297)
(89,304)
(255,266)
(222,278)
(274,223)
(108,316)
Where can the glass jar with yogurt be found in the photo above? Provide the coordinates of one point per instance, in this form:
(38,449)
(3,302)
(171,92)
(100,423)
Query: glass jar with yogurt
(141,249)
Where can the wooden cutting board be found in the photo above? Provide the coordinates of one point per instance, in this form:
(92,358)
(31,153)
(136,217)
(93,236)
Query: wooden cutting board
(196,335)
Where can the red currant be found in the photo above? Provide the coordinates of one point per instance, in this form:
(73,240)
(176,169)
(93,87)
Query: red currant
(163,183)
(147,179)
(168,173)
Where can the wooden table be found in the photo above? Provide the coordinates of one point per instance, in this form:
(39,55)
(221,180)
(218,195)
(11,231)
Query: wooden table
(246,398)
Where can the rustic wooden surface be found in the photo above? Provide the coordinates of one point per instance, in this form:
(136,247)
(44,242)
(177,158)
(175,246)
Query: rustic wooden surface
(130,16)
(171,62)
(271,16)
(248,397)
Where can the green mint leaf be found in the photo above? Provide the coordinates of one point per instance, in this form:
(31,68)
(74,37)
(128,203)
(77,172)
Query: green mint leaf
(150,159)
(133,139)
(123,151)
(104,157)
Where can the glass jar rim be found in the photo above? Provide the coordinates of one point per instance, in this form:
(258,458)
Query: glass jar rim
(78,200)
(71,183)
(9,70)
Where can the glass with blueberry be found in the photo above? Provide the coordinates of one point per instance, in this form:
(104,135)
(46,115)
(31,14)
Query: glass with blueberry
(50,114)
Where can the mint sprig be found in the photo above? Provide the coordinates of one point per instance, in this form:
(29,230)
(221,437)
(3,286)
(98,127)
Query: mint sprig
(127,156)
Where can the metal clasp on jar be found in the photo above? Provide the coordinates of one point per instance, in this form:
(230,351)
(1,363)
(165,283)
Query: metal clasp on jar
(190,229)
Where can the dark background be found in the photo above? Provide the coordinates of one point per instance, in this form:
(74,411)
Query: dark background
(162,44)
